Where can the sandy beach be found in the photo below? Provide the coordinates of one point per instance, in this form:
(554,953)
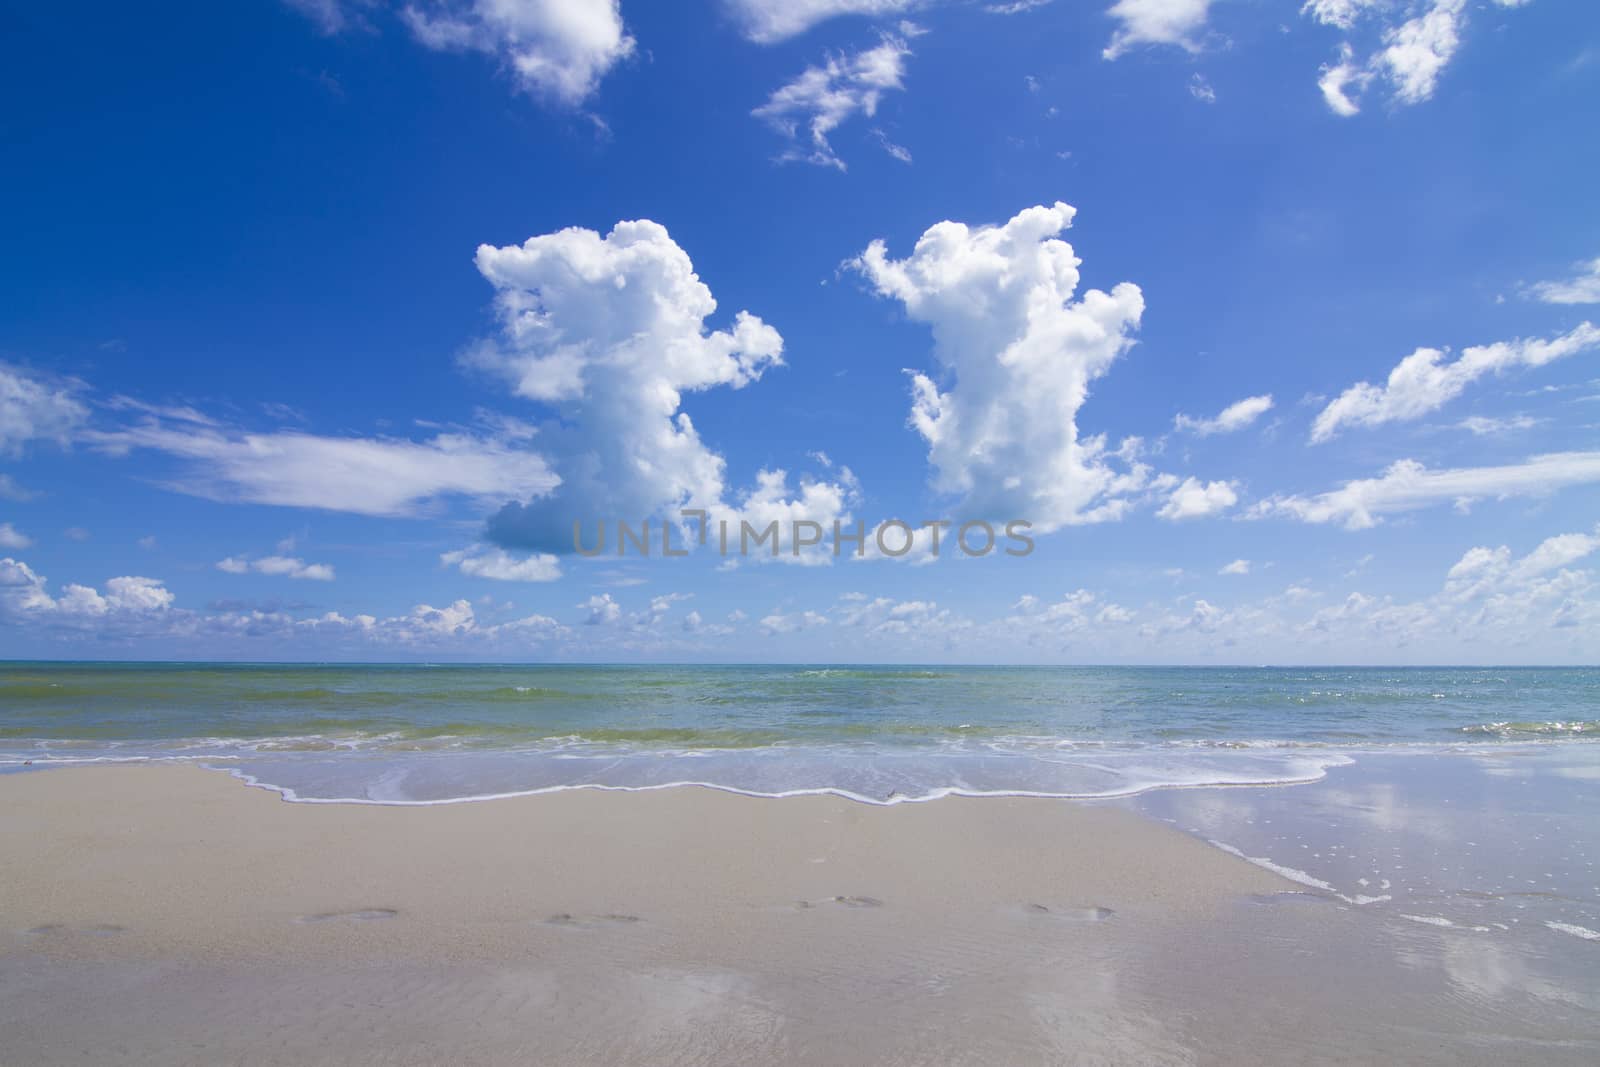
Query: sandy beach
(162,914)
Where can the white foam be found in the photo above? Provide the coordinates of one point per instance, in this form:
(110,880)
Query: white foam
(1575,930)
(1291,873)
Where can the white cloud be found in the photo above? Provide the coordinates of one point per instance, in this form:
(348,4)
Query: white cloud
(332,16)
(1417,51)
(767,21)
(435,627)
(278,566)
(1195,499)
(770,500)
(1407,486)
(291,567)
(11,537)
(170,412)
(1340,13)
(364,476)
(885,617)
(496,563)
(24,593)
(1014,7)
(1201,89)
(1581,288)
(610,332)
(793,623)
(1490,426)
(1170,22)
(1235,416)
(556,48)
(135,608)
(900,152)
(34,409)
(823,97)
(1483,570)
(1423,382)
(1077,612)
(602,609)
(1343,82)
(1018,352)
(1414,44)
(1490,591)
(10,489)
(1238,566)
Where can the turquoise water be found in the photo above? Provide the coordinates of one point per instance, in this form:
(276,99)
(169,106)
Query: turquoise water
(388,733)
(1460,799)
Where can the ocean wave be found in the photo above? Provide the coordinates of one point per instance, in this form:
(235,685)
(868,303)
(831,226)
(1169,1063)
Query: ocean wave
(1535,729)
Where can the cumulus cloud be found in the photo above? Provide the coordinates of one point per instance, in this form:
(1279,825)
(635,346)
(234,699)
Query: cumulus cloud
(455,624)
(1235,416)
(483,561)
(278,566)
(885,615)
(767,21)
(778,623)
(363,476)
(1582,288)
(770,500)
(33,408)
(1423,382)
(602,609)
(1078,611)
(1484,570)
(610,332)
(130,609)
(24,592)
(559,49)
(1238,566)
(823,97)
(1169,22)
(11,537)
(1017,349)
(1194,499)
(1407,485)
(1489,595)
(1494,592)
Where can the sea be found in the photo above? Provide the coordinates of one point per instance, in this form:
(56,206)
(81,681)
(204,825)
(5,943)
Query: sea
(1459,798)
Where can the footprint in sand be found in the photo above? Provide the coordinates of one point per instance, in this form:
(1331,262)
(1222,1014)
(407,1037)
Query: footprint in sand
(591,922)
(362,915)
(59,929)
(1078,915)
(842,902)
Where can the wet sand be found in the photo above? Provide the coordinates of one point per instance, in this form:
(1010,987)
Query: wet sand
(165,914)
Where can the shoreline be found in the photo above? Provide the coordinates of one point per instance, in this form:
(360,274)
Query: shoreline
(185,831)
(175,914)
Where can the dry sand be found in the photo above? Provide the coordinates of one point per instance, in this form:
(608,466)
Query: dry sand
(168,914)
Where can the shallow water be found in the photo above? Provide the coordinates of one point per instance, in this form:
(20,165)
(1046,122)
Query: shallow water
(1494,845)
(1460,798)
(425,734)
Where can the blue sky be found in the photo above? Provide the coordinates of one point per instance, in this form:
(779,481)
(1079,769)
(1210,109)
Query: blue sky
(324,319)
